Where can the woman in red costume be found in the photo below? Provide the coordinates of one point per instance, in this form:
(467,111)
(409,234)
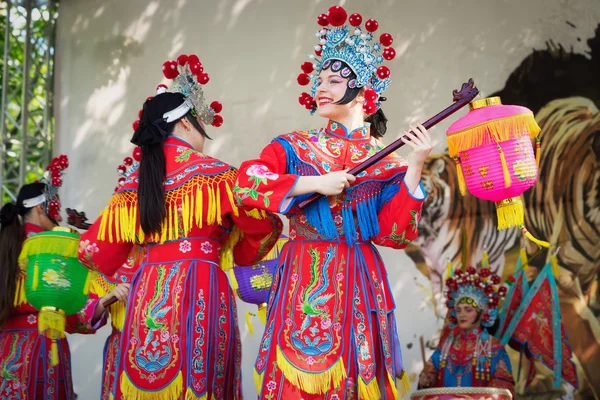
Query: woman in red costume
(331,331)
(180,337)
(26,371)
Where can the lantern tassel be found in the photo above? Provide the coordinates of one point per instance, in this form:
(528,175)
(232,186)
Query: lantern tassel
(537,151)
(510,213)
(262,313)
(524,260)
(531,238)
(507,180)
(249,316)
(461,178)
(449,270)
(554,266)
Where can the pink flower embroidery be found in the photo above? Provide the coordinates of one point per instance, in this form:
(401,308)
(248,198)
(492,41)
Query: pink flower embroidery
(271,385)
(292,234)
(185,246)
(82,245)
(335,397)
(260,171)
(206,247)
(164,336)
(151,378)
(178,289)
(133,341)
(326,324)
(294,277)
(288,322)
(174,339)
(337,326)
(339,276)
(31,319)
(310,361)
(338,219)
(260,363)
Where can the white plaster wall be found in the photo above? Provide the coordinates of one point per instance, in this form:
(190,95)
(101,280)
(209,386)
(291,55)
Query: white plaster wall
(109,54)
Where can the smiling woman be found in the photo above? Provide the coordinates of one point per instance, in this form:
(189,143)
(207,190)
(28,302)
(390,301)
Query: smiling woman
(330,330)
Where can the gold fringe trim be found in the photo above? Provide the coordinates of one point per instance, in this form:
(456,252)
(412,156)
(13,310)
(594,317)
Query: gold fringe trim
(89,279)
(507,180)
(189,395)
(404,386)
(368,391)
(258,380)
(63,244)
(495,131)
(262,313)
(54,359)
(172,391)
(117,315)
(537,151)
(462,186)
(532,239)
(510,213)
(197,200)
(314,383)
(234,238)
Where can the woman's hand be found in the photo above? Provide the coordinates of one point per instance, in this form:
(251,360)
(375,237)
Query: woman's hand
(334,183)
(420,144)
(120,292)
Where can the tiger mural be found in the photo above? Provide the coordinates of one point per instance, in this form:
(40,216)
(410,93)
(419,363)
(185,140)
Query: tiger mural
(564,208)
(444,215)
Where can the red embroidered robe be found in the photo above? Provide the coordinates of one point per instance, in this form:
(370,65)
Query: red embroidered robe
(180,337)
(330,331)
(25,369)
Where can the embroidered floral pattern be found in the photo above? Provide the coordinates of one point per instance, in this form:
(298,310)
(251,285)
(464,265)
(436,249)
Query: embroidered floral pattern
(259,174)
(206,247)
(185,246)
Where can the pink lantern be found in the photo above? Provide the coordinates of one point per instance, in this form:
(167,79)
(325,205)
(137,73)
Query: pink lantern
(491,147)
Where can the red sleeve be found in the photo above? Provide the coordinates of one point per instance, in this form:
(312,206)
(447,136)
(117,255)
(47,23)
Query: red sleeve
(263,183)
(399,219)
(81,322)
(105,256)
(255,232)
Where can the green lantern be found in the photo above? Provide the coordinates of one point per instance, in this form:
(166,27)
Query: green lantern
(56,283)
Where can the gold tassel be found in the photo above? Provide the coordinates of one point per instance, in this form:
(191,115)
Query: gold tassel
(249,316)
(117,315)
(510,213)
(20,297)
(507,180)
(524,260)
(554,266)
(404,386)
(88,282)
(172,391)
(189,395)
(258,380)
(59,244)
(231,198)
(262,313)
(368,391)
(537,151)
(462,186)
(498,130)
(485,259)
(530,237)
(36,272)
(315,383)
(449,271)
(54,360)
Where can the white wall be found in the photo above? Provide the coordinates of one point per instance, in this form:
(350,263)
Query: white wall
(109,54)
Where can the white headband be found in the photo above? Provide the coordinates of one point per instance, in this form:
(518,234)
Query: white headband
(35,201)
(179,112)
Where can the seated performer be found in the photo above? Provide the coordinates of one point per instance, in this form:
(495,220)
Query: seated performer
(26,369)
(469,355)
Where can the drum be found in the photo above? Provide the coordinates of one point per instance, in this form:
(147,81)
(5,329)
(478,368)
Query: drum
(462,393)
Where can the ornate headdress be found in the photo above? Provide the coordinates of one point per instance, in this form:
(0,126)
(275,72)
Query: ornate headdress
(480,288)
(53,180)
(354,46)
(188,78)
(129,165)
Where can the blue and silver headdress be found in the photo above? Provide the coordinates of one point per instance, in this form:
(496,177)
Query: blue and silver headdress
(355,46)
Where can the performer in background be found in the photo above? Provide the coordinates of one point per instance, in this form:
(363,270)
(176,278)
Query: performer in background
(180,337)
(469,355)
(331,331)
(25,368)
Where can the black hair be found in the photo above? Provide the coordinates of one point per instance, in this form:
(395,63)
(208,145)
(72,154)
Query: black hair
(377,120)
(12,235)
(150,135)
